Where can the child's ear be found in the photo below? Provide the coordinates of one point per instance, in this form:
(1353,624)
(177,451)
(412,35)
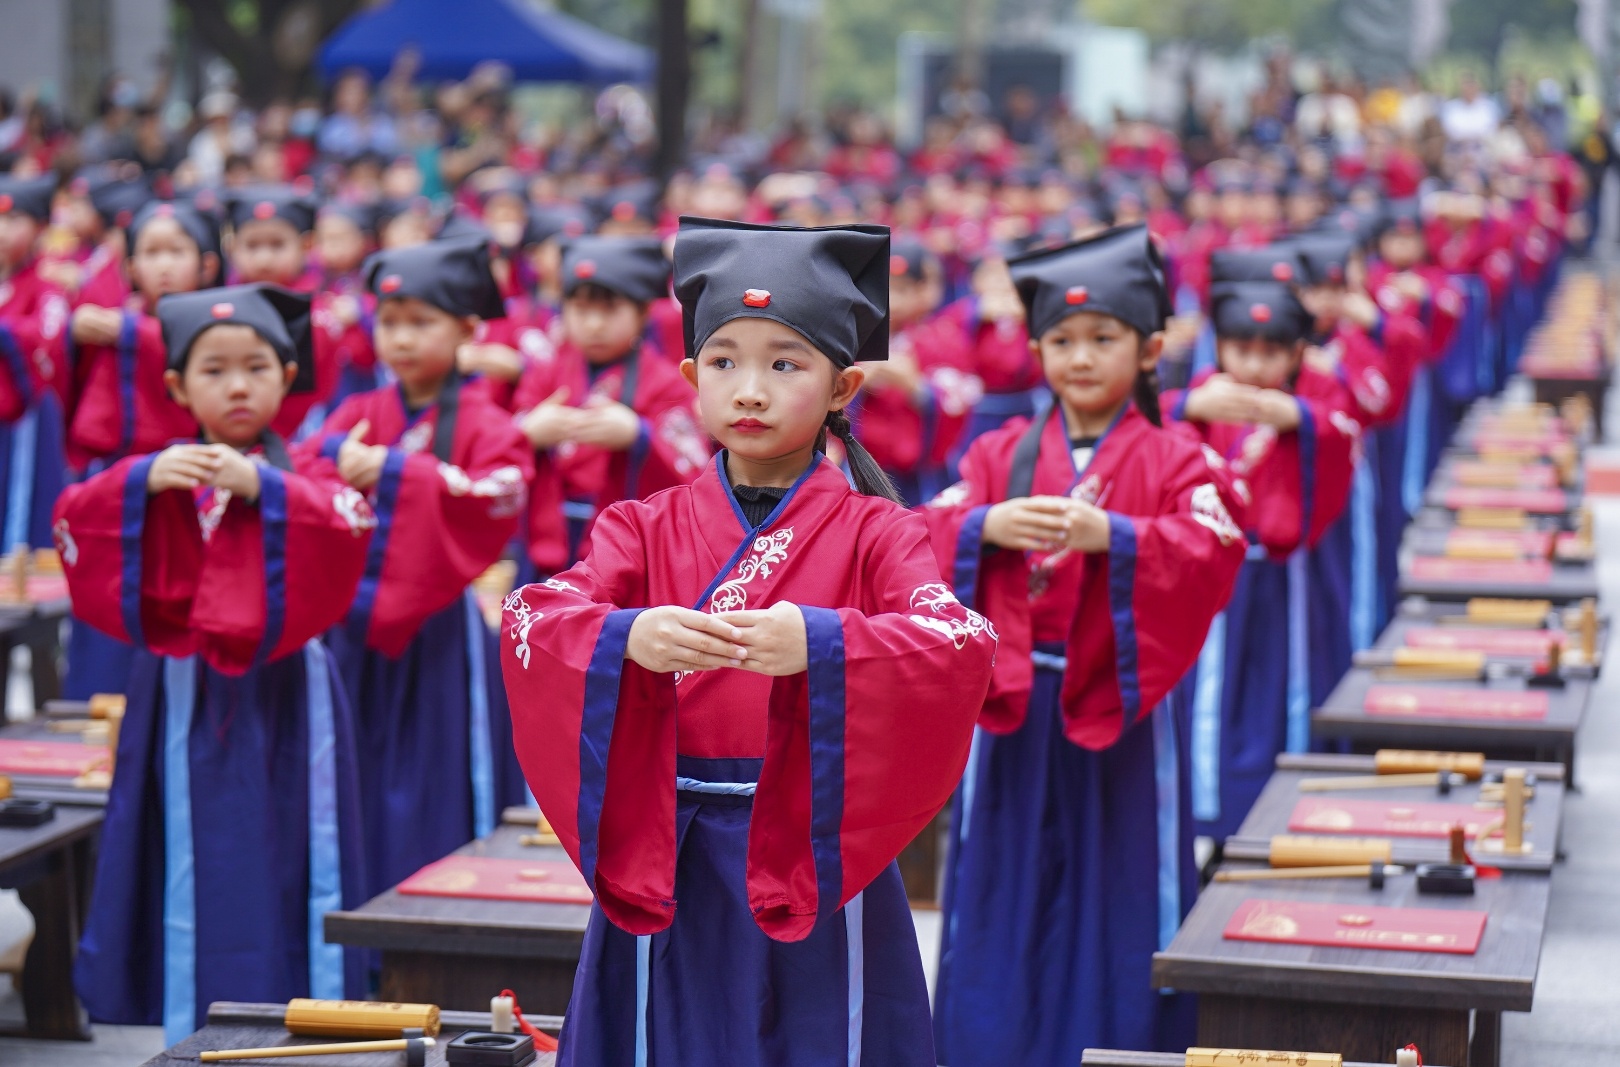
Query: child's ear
(689,371)
(469,325)
(1152,349)
(845,386)
(210,270)
(176,387)
(289,373)
(308,241)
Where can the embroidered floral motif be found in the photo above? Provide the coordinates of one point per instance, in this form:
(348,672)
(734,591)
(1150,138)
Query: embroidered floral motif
(502,487)
(537,346)
(417,438)
(956,391)
(947,615)
(524,618)
(558,585)
(1208,510)
(1372,391)
(352,508)
(213,513)
(66,546)
(1089,490)
(951,495)
(679,431)
(1213,459)
(768,550)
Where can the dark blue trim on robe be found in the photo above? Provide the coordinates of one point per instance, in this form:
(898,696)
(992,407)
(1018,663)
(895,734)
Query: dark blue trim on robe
(636,458)
(273,516)
(128,357)
(596,730)
(970,550)
(750,532)
(131,525)
(1307,471)
(385,500)
(1122,607)
(12,354)
(824,643)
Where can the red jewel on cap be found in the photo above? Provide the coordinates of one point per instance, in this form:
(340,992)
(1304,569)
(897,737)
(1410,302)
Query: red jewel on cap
(222,311)
(1077,294)
(5,202)
(1259,312)
(264,209)
(1336,274)
(123,219)
(574,228)
(391,284)
(164,211)
(624,211)
(898,265)
(757,298)
(1282,272)
(585,268)
(81,186)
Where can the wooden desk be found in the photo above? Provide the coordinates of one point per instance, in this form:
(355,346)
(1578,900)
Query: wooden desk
(457,953)
(1552,739)
(50,867)
(1109,1057)
(233,1025)
(1570,582)
(1362,1002)
(1271,812)
(39,626)
(41,787)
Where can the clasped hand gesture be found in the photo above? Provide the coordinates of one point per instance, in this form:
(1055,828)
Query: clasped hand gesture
(669,639)
(1046,524)
(358,463)
(1220,399)
(191,466)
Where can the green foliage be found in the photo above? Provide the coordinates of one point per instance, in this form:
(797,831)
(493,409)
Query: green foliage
(1222,25)
(1483,27)
(858,40)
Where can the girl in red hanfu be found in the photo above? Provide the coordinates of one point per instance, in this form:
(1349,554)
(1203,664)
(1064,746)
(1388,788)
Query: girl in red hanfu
(608,418)
(446,472)
(234,815)
(752,694)
(345,234)
(1100,546)
(1294,454)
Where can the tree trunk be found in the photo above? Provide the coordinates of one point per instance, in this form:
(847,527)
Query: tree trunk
(674,77)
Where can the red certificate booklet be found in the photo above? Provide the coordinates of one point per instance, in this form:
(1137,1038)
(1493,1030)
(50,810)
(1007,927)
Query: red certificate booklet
(50,759)
(1455,703)
(1543,501)
(1530,643)
(488,878)
(1299,922)
(1534,543)
(1384,818)
(1441,569)
(1523,476)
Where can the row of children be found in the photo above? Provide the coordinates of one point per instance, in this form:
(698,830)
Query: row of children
(425,479)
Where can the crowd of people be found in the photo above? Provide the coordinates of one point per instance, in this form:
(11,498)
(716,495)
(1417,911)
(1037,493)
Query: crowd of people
(1149,407)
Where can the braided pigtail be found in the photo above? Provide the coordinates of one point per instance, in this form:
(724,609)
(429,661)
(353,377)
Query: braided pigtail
(1146,395)
(868,476)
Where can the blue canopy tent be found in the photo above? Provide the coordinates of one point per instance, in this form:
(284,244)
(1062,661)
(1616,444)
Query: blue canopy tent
(454,36)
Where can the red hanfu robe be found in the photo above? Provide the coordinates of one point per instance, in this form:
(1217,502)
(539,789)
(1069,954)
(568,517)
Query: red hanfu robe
(1131,619)
(911,434)
(441,522)
(671,448)
(1376,366)
(860,752)
(34,315)
(1437,312)
(124,408)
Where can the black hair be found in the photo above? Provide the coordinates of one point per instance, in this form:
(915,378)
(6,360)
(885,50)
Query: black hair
(863,469)
(597,293)
(1146,394)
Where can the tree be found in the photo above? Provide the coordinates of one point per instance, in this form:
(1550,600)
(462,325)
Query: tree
(271,43)
(1482,26)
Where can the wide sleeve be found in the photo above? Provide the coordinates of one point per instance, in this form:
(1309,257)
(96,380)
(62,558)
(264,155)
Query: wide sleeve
(1147,602)
(671,448)
(595,732)
(866,746)
(990,580)
(1298,482)
(282,570)
(132,560)
(443,524)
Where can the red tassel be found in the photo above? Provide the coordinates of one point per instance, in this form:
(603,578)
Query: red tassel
(1414,1048)
(543,1042)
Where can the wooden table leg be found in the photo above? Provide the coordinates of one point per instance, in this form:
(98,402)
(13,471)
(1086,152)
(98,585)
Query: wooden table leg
(44,638)
(50,1004)
(1366,1032)
(1486,1048)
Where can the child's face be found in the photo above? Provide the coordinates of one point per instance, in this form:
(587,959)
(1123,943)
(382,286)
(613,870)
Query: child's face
(418,341)
(764,391)
(233,383)
(80,217)
(1257,362)
(340,243)
(166,260)
(506,215)
(1324,302)
(911,299)
(1401,250)
(604,325)
(18,232)
(1092,360)
(1303,209)
(268,250)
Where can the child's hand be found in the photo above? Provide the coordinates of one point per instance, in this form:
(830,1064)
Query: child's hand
(1028,523)
(672,638)
(361,464)
(1222,400)
(1278,409)
(606,424)
(1360,309)
(492,361)
(774,639)
(550,422)
(235,472)
(1088,527)
(182,467)
(92,325)
(345,309)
